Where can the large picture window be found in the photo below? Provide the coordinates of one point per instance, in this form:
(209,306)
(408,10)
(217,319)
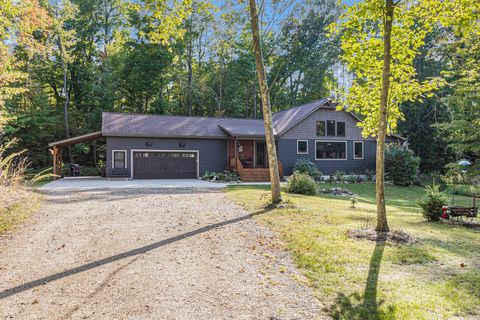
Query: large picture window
(358,150)
(119,159)
(325,150)
(320,128)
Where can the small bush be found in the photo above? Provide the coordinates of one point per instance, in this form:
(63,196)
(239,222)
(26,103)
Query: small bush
(300,183)
(302,165)
(401,165)
(339,175)
(221,176)
(89,171)
(432,203)
(369,174)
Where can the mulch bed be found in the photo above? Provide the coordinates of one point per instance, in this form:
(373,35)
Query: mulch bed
(395,236)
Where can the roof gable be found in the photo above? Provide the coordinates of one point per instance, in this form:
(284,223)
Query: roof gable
(286,119)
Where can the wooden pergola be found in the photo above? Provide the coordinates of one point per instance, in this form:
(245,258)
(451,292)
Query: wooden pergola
(57,146)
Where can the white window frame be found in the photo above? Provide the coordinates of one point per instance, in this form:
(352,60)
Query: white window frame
(342,141)
(297,146)
(113,159)
(363,150)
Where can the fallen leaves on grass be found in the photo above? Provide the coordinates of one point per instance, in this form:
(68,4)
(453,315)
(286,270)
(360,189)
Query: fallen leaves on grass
(395,236)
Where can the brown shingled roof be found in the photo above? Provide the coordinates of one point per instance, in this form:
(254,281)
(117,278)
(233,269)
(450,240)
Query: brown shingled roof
(143,125)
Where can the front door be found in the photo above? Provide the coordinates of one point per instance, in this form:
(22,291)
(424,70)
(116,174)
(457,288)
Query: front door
(260,154)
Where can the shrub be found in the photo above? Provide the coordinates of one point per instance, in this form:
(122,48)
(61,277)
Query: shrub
(339,175)
(302,165)
(401,165)
(221,176)
(369,174)
(89,171)
(300,183)
(432,203)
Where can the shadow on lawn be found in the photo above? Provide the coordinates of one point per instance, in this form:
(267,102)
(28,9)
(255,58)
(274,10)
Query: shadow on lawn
(355,306)
(131,253)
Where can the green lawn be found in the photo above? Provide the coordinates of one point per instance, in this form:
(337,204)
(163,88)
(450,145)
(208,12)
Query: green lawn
(360,279)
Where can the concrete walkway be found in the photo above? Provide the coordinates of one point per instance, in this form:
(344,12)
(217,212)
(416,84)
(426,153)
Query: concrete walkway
(85,183)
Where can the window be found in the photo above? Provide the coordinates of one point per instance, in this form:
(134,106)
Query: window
(320,128)
(331,150)
(119,159)
(331,128)
(358,150)
(302,146)
(340,129)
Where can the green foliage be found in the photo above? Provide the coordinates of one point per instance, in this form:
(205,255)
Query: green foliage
(305,166)
(339,175)
(300,183)
(226,176)
(432,203)
(466,190)
(401,165)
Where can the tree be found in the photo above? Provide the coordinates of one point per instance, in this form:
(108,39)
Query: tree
(64,38)
(266,108)
(463,75)
(380,39)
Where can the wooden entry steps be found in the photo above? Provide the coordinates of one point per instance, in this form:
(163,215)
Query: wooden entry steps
(255,175)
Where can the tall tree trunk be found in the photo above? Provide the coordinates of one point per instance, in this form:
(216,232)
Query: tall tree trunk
(382,224)
(267,112)
(67,97)
(189,76)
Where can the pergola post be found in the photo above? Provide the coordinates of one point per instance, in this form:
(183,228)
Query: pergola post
(57,161)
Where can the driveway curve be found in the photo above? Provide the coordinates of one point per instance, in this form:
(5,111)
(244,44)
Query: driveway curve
(147,254)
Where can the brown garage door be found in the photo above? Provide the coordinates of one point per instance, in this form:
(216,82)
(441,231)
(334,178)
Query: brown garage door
(164,165)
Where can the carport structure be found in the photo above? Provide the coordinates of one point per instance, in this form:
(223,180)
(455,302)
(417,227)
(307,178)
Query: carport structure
(57,146)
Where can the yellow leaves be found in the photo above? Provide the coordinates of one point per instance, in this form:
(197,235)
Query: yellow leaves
(361,29)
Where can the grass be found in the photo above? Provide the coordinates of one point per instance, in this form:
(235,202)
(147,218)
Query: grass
(17,204)
(436,278)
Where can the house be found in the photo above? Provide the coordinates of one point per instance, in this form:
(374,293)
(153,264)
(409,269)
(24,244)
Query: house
(141,146)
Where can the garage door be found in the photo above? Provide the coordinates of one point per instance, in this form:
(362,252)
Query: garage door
(164,165)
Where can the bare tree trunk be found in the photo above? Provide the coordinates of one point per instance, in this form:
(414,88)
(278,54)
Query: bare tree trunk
(382,224)
(267,112)
(189,77)
(67,98)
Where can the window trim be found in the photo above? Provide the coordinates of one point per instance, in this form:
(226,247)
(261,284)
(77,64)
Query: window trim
(324,128)
(363,150)
(322,159)
(297,146)
(124,160)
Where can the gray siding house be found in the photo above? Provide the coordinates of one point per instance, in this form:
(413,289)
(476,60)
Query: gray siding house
(156,146)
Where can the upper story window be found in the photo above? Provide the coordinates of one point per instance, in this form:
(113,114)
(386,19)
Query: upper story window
(320,128)
(330,128)
(340,129)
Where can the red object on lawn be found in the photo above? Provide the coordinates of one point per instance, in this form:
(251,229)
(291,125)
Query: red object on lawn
(445,214)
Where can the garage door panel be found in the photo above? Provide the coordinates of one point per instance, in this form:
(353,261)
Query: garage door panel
(164,165)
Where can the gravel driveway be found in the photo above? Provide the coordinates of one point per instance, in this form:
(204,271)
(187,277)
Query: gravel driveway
(147,254)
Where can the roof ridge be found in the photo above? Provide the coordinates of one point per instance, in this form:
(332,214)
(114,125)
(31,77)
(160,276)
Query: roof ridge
(321,101)
(177,116)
